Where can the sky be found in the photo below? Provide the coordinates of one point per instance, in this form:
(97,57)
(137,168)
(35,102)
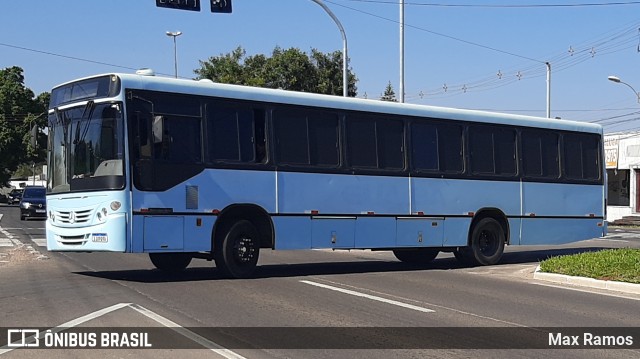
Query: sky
(483,54)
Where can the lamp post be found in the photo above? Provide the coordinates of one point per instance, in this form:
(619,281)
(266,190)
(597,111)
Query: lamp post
(617,80)
(401,89)
(345,80)
(175,50)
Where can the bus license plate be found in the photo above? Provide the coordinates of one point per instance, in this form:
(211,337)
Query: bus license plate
(100,238)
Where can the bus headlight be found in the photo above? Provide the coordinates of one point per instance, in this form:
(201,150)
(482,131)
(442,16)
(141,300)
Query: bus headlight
(115,205)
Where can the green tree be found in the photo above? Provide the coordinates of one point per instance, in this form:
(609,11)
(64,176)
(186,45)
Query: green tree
(290,69)
(330,73)
(389,94)
(20,111)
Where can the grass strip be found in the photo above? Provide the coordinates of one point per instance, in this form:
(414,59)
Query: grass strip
(622,265)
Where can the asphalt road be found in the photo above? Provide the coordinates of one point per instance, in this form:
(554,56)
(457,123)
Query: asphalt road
(300,296)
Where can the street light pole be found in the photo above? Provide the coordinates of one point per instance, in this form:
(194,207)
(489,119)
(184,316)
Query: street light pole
(401,89)
(548,89)
(617,80)
(175,49)
(345,83)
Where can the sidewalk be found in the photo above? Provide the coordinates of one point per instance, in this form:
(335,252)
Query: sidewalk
(623,287)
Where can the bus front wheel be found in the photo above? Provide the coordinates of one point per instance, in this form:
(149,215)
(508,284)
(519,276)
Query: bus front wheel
(416,256)
(170,262)
(237,254)
(486,245)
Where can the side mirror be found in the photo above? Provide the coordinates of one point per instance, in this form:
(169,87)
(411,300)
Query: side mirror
(33,137)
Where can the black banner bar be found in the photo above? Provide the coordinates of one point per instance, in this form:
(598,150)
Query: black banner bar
(321,338)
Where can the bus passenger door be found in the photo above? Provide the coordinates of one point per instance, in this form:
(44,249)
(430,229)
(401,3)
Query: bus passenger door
(333,232)
(419,232)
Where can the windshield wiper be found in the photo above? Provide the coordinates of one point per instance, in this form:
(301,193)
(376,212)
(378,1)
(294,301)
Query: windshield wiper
(87,114)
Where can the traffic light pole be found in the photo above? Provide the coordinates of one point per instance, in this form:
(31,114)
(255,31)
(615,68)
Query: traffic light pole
(224,6)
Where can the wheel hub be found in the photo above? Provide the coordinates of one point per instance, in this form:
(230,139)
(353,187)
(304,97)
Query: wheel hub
(244,250)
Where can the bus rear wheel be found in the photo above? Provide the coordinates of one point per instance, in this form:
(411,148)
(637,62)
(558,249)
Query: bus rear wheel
(170,262)
(238,251)
(486,245)
(416,256)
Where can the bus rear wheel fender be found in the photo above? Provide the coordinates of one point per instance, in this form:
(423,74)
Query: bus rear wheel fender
(258,217)
(238,250)
(486,243)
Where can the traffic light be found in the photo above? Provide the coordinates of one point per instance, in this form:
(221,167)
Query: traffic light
(221,6)
(193,5)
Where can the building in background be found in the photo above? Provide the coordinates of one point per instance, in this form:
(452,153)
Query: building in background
(622,153)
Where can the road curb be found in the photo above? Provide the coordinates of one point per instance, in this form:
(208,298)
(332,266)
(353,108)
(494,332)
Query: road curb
(630,288)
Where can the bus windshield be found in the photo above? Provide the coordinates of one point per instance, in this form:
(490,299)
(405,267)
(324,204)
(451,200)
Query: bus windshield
(86,145)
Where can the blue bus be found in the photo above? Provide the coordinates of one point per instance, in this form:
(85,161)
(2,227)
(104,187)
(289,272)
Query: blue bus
(184,169)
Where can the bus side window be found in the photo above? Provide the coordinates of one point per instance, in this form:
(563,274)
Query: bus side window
(177,140)
(142,145)
(581,157)
(236,134)
(259,138)
(375,143)
(540,154)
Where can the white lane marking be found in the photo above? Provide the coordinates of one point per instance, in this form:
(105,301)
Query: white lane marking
(23,228)
(614,239)
(586,290)
(41,242)
(14,241)
(216,348)
(71,323)
(505,322)
(142,310)
(368,296)
(10,237)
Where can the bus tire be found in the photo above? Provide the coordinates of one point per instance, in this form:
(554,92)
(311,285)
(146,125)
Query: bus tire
(237,254)
(170,262)
(486,244)
(416,256)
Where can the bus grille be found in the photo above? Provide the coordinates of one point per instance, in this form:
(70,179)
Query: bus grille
(73,240)
(71,217)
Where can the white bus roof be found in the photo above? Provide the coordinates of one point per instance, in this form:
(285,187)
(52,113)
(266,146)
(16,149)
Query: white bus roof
(209,88)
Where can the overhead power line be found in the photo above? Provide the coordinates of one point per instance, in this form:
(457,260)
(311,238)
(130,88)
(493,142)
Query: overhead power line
(438,33)
(66,56)
(504,6)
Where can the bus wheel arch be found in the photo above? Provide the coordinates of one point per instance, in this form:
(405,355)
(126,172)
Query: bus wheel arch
(239,233)
(488,235)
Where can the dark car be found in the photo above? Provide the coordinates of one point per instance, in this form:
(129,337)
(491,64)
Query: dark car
(33,203)
(14,196)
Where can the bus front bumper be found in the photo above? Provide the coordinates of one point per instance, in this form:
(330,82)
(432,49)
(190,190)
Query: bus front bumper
(110,236)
